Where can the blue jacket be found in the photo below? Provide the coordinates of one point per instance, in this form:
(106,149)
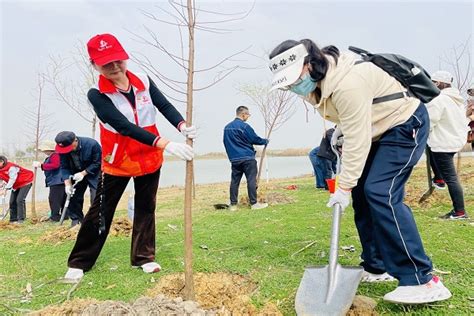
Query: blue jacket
(90,155)
(239,138)
(53,176)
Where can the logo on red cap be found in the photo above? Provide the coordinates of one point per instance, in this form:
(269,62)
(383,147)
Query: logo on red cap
(103,45)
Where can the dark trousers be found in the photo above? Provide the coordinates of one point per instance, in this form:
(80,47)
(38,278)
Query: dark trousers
(445,165)
(387,229)
(89,243)
(239,168)
(436,172)
(56,199)
(74,211)
(18,204)
(323,168)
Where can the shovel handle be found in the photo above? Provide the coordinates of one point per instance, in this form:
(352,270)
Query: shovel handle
(336,221)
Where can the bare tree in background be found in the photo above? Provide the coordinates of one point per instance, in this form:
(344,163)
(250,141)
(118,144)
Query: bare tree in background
(458,59)
(73,92)
(184,17)
(276,107)
(37,118)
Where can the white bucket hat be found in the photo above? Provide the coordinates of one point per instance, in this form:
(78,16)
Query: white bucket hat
(442,76)
(47,145)
(287,66)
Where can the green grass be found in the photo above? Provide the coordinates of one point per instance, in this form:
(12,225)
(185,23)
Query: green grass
(258,244)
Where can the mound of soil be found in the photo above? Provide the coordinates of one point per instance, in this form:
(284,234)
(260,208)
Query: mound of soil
(120,227)
(362,306)
(226,294)
(5,225)
(272,198)
(70,308)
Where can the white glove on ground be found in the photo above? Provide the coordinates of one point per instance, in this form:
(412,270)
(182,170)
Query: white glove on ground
(68,189)
(189,132)
(183,151)
(342,197)
(36,164)
(78,177)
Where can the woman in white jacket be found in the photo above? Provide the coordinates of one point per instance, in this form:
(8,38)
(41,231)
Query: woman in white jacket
(448,130)
(383,140)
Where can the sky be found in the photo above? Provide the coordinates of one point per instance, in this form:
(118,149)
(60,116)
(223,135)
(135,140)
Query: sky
(33,31)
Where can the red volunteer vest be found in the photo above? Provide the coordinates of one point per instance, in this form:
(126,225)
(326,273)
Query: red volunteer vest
(122,155)
(25,176)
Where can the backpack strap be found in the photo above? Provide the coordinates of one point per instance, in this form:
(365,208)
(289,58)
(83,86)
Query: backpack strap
(389,97)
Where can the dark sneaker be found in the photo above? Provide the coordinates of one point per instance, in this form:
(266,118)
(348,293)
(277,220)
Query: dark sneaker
(454,215)
(439,184)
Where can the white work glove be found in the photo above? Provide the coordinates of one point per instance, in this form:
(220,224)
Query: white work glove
(68,189)
(183,151)
(78,177)
(36,164)
(189,132)
(335,136)
(341,196)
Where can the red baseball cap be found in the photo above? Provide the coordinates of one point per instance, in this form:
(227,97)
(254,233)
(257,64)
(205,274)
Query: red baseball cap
(64,142)
(104,49)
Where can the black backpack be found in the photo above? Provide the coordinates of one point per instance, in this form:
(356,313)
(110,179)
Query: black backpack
(409,73)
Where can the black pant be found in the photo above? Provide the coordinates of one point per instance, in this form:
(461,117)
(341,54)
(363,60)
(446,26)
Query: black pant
(56,199)
(76,204)
(249,168)
(445,165)
(18,204)
(89,243)
(436,173)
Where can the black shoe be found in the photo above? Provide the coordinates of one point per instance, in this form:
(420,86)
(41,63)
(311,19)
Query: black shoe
(75,222)
(454,215)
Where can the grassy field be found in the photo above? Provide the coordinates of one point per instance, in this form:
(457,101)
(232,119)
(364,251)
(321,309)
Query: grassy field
(261,245)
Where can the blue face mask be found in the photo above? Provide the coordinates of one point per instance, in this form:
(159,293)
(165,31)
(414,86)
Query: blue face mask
(305,86)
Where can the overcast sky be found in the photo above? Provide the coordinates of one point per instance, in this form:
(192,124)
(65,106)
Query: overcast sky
(31,31)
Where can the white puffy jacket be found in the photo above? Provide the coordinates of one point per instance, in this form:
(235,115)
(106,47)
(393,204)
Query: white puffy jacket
(448,121)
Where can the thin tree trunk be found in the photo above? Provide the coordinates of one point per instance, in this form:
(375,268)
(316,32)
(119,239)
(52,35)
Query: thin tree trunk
(94,124)
(260,166)
(188,231)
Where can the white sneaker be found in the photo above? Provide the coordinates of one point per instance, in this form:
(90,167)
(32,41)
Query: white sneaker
(233,207)
(150,267)
(372,277)
(258,206)
(432,291)
(73,275)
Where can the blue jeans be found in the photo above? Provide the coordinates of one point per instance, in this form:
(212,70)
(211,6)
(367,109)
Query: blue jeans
(387,230)
(322,167)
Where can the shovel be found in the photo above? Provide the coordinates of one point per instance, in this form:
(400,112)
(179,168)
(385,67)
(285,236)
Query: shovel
(68,200)
(431,187)
(328,290)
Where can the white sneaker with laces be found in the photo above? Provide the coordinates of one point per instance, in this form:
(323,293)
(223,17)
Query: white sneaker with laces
(432,291)
(259,206)
(233,207)
(372,277)
(150,267)
(73,275)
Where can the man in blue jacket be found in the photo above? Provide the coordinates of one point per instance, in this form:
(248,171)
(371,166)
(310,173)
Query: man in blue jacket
(80,159)
(239,138)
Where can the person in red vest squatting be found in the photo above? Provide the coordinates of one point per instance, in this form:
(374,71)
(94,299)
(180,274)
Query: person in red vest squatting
(19,181)
(382,144)
(126,105)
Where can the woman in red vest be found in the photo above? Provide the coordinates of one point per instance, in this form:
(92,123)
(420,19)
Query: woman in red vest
(19,181)
(126,105)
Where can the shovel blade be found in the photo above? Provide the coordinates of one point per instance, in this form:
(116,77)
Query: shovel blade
(326,292)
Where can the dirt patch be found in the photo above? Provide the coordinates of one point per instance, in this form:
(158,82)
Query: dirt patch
(362,306)
(227,294)
(73,307)
(272,198)
(5,225)
(120,227)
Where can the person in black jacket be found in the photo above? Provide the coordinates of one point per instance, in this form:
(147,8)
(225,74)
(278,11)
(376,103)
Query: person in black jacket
(80,164)
(323,160)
